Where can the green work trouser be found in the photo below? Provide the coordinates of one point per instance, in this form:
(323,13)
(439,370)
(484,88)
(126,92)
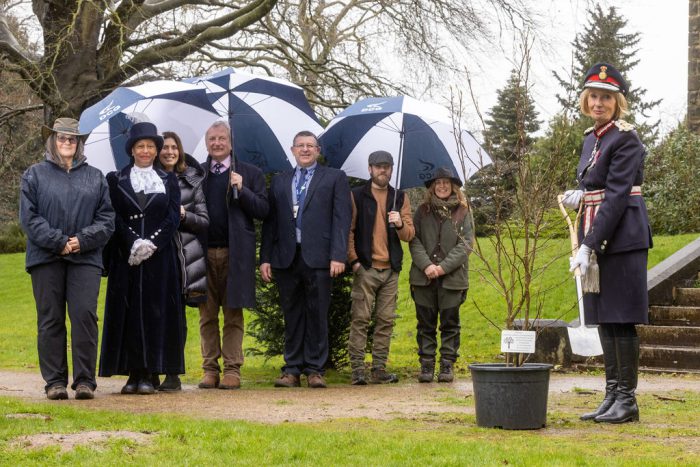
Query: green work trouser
(378,288)
(432,303)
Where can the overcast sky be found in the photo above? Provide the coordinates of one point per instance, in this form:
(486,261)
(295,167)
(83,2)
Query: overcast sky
(662,53)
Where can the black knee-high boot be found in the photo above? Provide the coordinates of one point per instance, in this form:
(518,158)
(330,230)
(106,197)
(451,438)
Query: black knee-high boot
(625,409)
(607,342)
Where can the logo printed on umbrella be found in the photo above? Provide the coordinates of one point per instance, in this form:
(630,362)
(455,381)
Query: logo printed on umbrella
(426,170)
(109,110)
(373,107)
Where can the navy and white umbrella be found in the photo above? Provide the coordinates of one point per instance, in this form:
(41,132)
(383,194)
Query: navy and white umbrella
(420,135)
(170,105)
(264,114)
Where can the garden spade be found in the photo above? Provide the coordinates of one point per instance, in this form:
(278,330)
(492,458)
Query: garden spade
(584,339)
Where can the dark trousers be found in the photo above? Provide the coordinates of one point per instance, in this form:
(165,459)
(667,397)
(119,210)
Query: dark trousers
(433,302)
(56,285)
(426,334)
(305,294)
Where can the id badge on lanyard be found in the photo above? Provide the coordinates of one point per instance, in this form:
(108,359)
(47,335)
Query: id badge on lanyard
(296,210)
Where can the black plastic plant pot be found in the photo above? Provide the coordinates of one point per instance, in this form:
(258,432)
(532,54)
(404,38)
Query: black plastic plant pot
(512,398)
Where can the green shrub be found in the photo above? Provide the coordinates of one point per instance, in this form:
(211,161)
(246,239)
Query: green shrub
(12,239)
(671,189)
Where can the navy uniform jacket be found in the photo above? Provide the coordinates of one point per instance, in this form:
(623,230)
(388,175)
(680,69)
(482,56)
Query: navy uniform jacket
(622,223)
(327,212)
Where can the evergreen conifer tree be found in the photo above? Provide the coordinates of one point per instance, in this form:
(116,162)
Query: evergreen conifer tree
(512,121)
(508,137)
(603,40)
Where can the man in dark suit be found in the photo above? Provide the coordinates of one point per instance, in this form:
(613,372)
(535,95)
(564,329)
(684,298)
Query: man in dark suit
(304,245)
(236,195)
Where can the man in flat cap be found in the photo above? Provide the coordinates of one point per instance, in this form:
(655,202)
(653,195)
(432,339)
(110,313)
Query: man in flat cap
(381,219)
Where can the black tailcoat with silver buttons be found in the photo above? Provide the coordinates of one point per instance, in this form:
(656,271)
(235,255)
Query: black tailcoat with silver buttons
(620,233)
(142,327)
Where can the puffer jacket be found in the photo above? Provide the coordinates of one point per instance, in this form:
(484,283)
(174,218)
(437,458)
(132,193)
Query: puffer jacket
(455,245)
(56,204)
(190,252)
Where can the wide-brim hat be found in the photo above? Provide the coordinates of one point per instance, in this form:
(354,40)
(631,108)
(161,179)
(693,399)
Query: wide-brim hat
(443,172)
(143,130)
(66,125)
(605,76)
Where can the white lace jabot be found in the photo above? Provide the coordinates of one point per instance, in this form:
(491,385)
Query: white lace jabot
(146,179)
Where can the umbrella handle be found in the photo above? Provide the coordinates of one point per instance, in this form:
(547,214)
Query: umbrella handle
(234,189)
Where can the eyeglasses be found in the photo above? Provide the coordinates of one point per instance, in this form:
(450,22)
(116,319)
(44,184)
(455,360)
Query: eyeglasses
(67,139)
(305,146)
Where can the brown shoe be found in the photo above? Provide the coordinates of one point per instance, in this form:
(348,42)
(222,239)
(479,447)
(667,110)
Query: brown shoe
(288,381)
(209,381)
(230,381)
(57,392)
(84,392)
(315,380)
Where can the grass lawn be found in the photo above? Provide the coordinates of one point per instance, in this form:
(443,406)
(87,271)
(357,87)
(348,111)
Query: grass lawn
(669,433)
(480,340)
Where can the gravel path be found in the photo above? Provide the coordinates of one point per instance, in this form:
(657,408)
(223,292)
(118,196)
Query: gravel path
(271,405)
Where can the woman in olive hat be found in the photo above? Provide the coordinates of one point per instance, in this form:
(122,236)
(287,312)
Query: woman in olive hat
(143,332)
(66,213)
(614,236)
(439,275)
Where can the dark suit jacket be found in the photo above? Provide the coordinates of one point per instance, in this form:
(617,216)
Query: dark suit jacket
(622,223)
(327,212)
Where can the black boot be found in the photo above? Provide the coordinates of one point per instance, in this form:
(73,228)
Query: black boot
(607,342)
(446,374)
(625,409)
(171,383)
(145,385)
(427,371)
(132,383)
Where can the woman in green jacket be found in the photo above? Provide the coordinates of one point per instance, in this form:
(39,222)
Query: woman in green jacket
(439,272)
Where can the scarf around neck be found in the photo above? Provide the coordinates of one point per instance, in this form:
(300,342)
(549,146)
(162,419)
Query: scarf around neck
(146,179)
(444,207)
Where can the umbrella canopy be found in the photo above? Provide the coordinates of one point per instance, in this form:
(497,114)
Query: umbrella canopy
(264,114)
(170,105)
(420,135)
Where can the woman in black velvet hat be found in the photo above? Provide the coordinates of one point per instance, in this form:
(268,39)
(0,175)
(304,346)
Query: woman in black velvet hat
(142,333)
(614,236)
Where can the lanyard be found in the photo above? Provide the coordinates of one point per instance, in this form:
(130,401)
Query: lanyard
(301,188)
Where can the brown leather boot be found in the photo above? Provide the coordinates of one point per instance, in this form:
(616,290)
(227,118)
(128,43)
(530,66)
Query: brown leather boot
(209,381)
(288,381)
(230,381)
(57,393)
(315,380)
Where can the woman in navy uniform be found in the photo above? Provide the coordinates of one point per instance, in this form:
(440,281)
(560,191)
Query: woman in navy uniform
(615,234)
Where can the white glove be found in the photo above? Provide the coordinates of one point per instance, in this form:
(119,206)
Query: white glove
(141,250)
(582,259)
(572,199)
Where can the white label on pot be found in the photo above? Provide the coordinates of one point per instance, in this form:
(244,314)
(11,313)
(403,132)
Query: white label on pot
(518,341)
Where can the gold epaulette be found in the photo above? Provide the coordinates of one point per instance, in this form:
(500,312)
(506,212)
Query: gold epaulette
(623,125)
(588,130)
